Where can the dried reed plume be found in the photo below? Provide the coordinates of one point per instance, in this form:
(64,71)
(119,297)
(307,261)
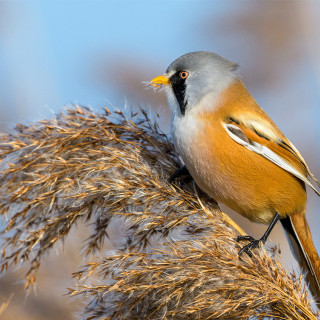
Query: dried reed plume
(180,258)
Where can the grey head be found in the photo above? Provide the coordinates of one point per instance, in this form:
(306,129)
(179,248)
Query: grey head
(193,75)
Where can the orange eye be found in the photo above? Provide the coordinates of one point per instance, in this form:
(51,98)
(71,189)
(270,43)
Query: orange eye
(184,74)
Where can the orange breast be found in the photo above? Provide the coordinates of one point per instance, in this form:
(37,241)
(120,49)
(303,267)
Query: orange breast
(238,177)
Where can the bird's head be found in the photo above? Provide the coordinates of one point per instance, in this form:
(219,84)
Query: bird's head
(192,76)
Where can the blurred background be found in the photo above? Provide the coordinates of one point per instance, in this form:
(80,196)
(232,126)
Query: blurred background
(98,53)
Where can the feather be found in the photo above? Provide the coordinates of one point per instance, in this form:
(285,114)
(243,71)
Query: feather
(277,150)
(302,247)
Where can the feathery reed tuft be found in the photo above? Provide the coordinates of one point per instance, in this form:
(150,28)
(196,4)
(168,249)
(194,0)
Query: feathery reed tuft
(179,259)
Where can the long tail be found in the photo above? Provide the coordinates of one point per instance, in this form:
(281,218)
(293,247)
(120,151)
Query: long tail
(300,240)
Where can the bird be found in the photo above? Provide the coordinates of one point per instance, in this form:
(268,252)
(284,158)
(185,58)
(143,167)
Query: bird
(237,155)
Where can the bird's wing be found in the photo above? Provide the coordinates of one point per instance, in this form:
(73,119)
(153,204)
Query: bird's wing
(258,136)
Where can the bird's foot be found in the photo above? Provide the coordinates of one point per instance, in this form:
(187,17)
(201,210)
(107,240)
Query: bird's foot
(181,172)
(245,238)
(252,245)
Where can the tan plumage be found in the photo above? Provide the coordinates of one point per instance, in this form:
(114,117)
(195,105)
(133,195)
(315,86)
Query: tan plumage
(230,166)
(236,153)
(300,240)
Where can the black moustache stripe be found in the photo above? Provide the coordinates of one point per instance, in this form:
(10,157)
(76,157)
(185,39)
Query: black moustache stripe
(179,90)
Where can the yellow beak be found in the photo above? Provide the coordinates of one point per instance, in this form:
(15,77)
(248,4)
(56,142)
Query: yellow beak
(160,81)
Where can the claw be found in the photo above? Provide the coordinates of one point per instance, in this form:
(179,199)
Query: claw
(181,172)
(245,238)
(252,245)
(256,243)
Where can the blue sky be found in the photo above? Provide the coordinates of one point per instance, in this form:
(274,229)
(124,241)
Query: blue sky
(47,47)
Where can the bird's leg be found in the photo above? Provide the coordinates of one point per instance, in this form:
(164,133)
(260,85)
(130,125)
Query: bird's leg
(181,172)
(255,243)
